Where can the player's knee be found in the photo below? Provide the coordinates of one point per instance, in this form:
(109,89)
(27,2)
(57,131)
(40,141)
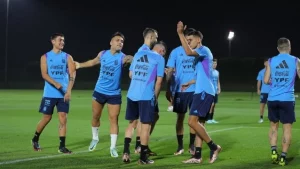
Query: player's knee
(113,119)
(193,120)
(63,119)
(133,124)
(96,114)
(180,117)
(47,117)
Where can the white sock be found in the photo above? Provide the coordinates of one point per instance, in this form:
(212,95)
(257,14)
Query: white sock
(95,133)
(113,140)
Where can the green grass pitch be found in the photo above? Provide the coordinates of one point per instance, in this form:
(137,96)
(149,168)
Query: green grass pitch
(244,141)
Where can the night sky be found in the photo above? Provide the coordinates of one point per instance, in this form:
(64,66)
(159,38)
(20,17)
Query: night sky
(88,27)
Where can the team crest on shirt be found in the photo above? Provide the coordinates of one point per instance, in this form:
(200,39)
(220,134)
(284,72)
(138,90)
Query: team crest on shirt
(116,62)
(63,61)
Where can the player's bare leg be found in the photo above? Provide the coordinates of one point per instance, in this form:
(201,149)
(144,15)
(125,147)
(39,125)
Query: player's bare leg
(62,132)
(192,141)
(261,112)
(273,136)
(156,117)
(197,157)
(201,132)
(138,138)
(113,111)
(145,135)
(179,133)
(286,141)
(211,114)
(96,115)
(127,140)
(39,129)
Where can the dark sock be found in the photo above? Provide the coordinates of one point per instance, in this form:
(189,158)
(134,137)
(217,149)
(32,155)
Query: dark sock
(212,146)
(283,154)
(62,142)
(212,115)
(144,151)
(261,117)
(180,141)
(126,145)
(209,116)
(198,152)
(274,148)
(36,137)
(137,142)
(192,139)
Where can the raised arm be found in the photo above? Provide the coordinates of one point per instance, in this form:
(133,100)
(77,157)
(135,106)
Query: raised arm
(188,50)
(89,63)
(44,72)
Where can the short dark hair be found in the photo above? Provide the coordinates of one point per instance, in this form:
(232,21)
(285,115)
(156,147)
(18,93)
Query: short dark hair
(196,33)
(163,44)
(283,43)
(266,59)
(118,34)
(55,35)
(148,30)
(188,30)
(215,60)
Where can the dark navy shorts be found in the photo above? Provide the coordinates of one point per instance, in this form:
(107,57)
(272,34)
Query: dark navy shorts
(143,109)
(109,99)
(283,111)
(264,98)
(182,101)
(216,98)
(48,104)
(201,105)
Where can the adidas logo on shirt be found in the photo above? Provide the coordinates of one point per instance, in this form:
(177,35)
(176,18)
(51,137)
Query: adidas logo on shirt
(143,59)
(282,65)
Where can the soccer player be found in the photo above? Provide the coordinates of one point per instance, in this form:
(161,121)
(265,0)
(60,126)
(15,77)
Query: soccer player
(147,75)
(58,71)
(185,72)
(107,89)
(203,96)
(150,38)
(280,74)
(217,86)
(262,90)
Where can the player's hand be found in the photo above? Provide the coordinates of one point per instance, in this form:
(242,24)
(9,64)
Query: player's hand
(168,95)
(185,86)
(77,65)
(57,85)
(180,27)
(67,97)
(258,92)
(219,91)
(166,71)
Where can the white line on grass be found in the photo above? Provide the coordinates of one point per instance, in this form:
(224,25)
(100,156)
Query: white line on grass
(86,151)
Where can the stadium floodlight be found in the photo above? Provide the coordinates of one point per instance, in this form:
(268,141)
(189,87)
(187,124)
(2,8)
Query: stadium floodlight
(230,35)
